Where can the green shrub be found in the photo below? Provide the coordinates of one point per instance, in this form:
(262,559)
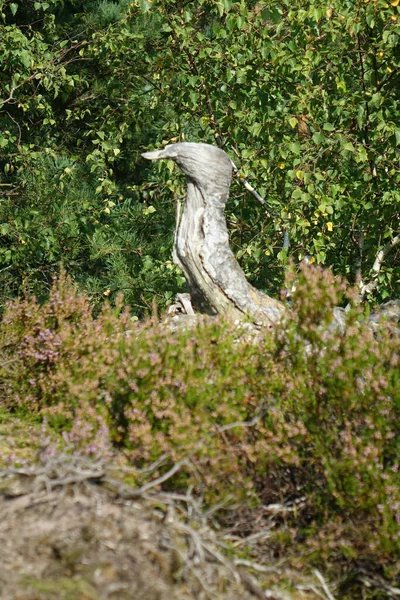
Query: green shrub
(309,411)
(58,217)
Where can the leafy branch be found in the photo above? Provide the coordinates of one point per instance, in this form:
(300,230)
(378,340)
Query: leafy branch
(368,288)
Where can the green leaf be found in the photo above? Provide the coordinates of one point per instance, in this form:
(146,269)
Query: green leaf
(221,8)
(256,129)
(376,100)
(360,116)
(194,97)
(370,21)
(362,155)
(295,147)
(231,22)
(25,58)
(318,137)
(329,127)
(13,8)
(349,146)
(149,210)
(144,5)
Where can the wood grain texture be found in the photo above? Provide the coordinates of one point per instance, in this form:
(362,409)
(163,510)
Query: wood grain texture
(216,282)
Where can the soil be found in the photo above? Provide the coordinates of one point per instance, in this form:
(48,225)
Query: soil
(82,542)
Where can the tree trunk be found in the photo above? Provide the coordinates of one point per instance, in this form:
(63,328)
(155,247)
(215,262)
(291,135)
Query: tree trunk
(216,282)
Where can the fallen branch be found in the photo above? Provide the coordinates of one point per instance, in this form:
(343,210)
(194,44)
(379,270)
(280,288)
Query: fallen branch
(135,492)
(324,585)
(378,583)
(256,566)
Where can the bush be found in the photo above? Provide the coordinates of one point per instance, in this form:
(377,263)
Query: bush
(309,411)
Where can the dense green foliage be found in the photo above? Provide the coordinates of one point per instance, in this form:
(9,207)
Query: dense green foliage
(239,418)
(303,95)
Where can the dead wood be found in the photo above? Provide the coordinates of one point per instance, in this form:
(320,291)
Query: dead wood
(216,282)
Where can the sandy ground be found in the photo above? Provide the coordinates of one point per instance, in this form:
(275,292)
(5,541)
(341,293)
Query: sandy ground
(82,542)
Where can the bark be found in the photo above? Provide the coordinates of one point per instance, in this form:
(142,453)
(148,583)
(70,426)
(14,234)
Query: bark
(216,282)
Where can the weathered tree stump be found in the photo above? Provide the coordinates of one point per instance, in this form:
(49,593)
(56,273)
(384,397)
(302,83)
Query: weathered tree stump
(216,282)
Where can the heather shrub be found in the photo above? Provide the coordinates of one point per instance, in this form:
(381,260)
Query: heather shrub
(109,382)
(307,416)
(340,412)
(45,346)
